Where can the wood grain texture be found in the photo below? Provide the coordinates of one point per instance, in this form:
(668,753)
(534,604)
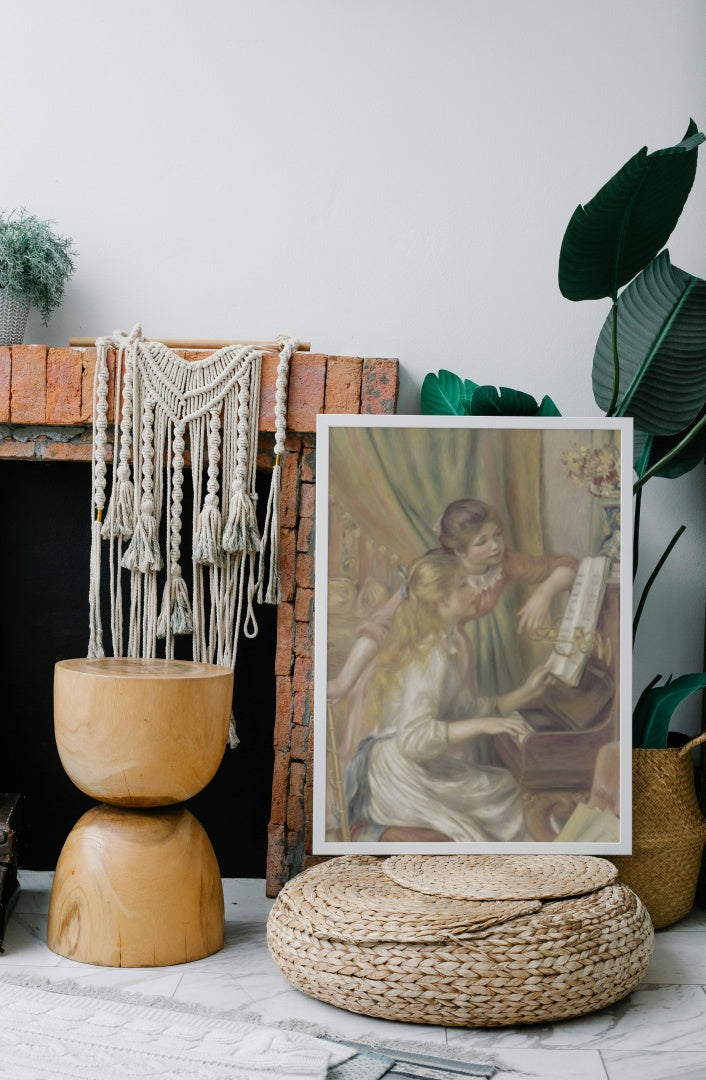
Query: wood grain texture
(141,732)
(136,888)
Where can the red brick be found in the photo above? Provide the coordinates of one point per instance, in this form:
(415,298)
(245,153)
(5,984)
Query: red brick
(308,811)
(275,860)
(5,373)
(289,498)
(64,379)
(380,385)
(343,382)
(304,605)
(11,448)
(284,654)
(283,712)
(307,500)
(297,779)
(280,788)
(28,384)
(287,562)
(53,451)
(307,382)
(305,535)
(305,571)
(89,368)
(303,643)
(295,815)
(301,711)
(300,739)
(308,467)
(302,674)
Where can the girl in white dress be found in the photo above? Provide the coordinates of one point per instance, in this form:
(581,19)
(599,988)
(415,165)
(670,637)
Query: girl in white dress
(422,768)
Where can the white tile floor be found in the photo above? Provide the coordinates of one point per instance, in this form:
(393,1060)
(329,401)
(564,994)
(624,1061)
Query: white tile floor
(658,1033)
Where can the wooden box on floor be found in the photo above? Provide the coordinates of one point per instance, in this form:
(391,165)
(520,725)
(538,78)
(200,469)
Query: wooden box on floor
(10,825)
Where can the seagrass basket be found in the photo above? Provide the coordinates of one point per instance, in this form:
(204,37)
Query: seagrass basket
(350,934)
(668,833)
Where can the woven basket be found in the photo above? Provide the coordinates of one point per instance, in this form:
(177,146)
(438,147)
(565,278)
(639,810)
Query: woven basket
(668,833)
(13,318)
(564,958)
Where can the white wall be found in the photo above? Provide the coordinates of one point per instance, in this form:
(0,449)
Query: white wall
(382,177)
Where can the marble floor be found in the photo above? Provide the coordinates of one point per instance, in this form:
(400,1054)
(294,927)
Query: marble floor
(658,1033)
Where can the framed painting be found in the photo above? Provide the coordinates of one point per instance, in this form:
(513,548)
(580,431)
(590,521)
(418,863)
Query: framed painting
(472,635)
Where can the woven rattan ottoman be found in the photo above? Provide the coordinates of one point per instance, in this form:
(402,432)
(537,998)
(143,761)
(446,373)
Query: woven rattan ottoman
(467,941)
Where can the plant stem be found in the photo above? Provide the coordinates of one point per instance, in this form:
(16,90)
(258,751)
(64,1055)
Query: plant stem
(651,580)
(691,433)
(636,533)
(616,365)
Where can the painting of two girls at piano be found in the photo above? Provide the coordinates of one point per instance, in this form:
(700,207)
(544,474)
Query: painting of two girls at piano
(472,641)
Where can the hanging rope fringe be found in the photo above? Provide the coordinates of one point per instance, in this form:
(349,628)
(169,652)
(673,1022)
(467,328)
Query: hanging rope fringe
(272,594)
(160,401)
(175,615)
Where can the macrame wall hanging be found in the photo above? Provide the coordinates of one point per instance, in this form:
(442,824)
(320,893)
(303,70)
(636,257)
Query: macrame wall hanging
(161,401)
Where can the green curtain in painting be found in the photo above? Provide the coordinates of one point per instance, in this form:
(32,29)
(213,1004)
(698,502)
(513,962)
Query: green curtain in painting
(396,482)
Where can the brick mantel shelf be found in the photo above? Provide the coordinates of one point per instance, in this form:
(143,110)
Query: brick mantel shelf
(46,399)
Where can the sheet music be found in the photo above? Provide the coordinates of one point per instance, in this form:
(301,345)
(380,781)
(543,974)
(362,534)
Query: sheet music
(572,649)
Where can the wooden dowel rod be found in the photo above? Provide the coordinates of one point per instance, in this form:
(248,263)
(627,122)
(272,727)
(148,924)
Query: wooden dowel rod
(173,343)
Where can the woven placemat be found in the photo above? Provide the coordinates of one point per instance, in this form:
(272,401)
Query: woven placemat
(500,877)
(360,903)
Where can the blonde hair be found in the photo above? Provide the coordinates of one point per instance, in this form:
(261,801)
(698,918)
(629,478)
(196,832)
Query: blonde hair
(417,625)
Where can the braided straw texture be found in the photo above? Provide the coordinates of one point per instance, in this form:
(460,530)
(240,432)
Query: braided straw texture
(668,833)
(501,877)
(362,904)
(570,957)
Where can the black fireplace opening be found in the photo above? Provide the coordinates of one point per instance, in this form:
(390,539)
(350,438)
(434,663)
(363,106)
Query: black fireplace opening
(44,560)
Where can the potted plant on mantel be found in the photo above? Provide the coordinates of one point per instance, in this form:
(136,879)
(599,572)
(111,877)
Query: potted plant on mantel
(653,342)
(35,264)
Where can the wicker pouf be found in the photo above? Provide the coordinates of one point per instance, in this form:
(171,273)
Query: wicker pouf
(350,933)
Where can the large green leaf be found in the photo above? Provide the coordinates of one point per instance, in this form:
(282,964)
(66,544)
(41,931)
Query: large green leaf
(649,450)
(661,350)
(654,710)
(446,394)
(502,401)
(610,239)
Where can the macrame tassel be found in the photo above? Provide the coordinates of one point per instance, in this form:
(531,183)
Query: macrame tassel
(273,593)
(241,532)
(95,639)
(175,614)
(208,549)
(120,517)
(143,552)
(233,739)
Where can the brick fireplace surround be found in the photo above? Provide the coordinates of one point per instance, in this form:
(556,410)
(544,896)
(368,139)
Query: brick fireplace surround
(45,415)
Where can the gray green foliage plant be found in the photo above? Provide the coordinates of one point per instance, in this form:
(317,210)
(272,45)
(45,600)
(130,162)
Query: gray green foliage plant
(650,358)
(35,262)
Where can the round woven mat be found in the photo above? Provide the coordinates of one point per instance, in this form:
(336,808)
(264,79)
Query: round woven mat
(500,877)
(360,903)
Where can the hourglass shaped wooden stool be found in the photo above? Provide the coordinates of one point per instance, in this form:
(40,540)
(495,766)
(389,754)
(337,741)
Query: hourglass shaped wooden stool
(137,883)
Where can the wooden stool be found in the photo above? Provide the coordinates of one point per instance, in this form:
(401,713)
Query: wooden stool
(137,886)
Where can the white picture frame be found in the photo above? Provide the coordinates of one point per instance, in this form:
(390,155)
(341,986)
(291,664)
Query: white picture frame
(408,512)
